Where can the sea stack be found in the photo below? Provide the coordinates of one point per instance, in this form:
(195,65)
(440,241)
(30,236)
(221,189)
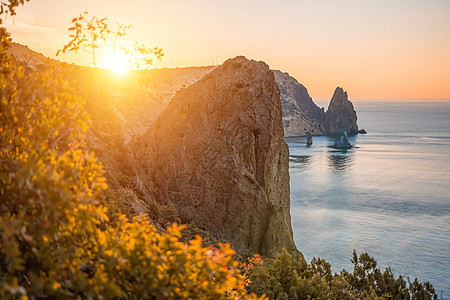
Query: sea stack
(217,154)
(341,115)
(308,138)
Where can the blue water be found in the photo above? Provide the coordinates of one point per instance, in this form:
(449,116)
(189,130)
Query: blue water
(389,196)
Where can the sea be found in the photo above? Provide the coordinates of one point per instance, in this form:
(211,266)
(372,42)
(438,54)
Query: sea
(388,196)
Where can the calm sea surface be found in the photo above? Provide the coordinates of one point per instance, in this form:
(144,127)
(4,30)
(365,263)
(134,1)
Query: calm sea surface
(389,196)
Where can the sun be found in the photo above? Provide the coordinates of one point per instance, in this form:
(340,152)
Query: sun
(118,64)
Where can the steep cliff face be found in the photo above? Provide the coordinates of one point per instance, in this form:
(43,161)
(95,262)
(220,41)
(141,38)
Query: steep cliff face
(217,153)
(340,116)
(300,113)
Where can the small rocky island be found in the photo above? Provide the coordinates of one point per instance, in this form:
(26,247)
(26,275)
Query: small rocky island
(342,142)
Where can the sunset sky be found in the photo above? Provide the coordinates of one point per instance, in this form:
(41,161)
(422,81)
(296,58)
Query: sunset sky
(373,49)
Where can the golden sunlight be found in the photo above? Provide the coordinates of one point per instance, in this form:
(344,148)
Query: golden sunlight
(117,63)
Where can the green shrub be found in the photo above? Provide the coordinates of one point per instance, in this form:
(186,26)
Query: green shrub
(284,278)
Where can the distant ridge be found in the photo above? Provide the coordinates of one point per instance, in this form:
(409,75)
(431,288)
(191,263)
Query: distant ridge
(27,56)
(300,113)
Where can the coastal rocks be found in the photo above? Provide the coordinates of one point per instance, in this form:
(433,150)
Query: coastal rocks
(340,116)
(217,154)
(362,131)
(342,142)
(308,138)
(300,113)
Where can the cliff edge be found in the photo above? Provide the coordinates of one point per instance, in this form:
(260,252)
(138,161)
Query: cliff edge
(217,154)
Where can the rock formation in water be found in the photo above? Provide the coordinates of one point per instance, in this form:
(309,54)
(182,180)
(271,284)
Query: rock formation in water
(217,154)
(300,113)
(308,138)
(340,116)
(362,131)
(342,142)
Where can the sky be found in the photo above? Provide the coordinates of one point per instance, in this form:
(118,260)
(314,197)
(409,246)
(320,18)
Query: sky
(389,49)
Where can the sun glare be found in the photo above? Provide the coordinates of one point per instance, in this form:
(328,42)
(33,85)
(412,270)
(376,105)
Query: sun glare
(118,64)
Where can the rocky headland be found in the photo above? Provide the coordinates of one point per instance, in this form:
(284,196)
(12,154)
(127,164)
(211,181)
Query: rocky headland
(217,154)
(205,145)
(301,115)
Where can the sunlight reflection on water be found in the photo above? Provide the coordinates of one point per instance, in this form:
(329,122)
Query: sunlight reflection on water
(389,196)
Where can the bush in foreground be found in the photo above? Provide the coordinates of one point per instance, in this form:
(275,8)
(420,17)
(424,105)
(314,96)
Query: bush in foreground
(284,278)
(56,239)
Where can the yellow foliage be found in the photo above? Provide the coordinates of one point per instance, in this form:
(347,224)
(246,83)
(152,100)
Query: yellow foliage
(56,240)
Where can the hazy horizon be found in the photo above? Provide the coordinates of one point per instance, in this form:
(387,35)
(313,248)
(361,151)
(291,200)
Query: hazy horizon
(373,50)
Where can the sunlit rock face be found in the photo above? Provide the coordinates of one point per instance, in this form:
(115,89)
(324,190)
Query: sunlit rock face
(340,116)
(138,104)
(217,153)
(300,113)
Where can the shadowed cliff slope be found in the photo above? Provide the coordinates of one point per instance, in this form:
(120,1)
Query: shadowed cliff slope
(300,113)
(217,153)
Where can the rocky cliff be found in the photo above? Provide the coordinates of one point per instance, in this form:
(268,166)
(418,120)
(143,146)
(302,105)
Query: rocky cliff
(300,113)
(218,155)
(340,116)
